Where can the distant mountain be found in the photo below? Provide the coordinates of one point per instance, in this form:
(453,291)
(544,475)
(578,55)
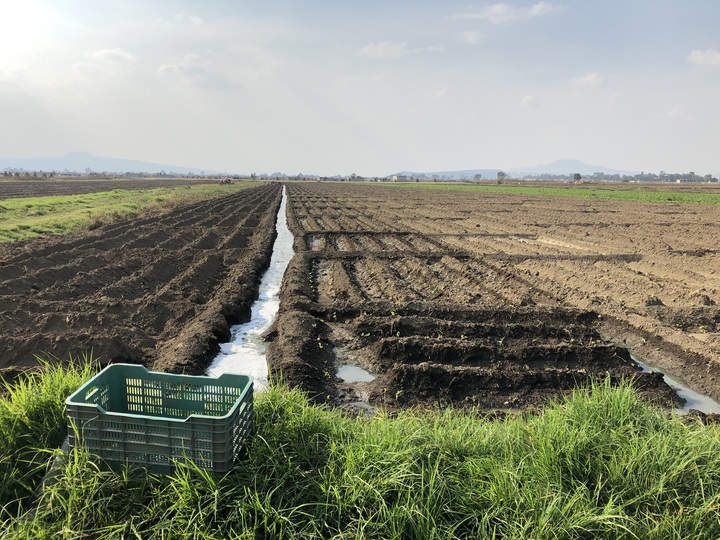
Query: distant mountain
(561,166)
(568,167)
(80,161)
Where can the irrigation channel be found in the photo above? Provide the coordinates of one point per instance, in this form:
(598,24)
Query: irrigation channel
(693,400)
(245,352)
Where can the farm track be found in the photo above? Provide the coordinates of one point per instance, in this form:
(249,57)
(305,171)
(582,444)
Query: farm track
(159,290)
(494,300)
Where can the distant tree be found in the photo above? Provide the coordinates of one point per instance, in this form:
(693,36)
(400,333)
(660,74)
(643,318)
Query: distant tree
(478,176)
(501,176)
(577,177)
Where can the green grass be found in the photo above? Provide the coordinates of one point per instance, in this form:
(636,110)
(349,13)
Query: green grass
(580,192)
(599,465)
(33,217)
(32,420)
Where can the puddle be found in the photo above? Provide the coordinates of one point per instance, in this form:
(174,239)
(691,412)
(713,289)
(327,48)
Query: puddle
(361,405)
(693,400)
(245,352)
(347,369)
(350,374)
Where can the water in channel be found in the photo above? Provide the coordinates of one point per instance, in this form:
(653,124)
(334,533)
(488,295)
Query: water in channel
(693,400)
(245,352)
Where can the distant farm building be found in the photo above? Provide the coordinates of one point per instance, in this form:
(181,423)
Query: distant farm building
(402,178)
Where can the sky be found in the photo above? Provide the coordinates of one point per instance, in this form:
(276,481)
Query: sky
(369,87)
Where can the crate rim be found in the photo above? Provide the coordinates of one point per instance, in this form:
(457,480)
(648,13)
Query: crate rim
(69,400)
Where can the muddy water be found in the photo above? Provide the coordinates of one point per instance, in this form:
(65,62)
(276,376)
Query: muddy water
(245,352)
(693,400)
(351,373)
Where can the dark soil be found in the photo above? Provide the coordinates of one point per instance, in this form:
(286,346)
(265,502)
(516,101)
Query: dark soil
(496,301)
(160,290)
(13,189)
(490,300)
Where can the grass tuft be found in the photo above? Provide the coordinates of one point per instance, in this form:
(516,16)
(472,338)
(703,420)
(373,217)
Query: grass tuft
(32,420)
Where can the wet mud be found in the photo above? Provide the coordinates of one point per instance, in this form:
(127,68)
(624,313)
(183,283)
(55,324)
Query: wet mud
(493,300)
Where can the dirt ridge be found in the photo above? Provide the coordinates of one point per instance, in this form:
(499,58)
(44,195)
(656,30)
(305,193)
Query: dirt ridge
(160,290)
(493,299)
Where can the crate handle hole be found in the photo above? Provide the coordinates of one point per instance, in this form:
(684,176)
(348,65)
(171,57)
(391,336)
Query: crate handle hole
(90,393)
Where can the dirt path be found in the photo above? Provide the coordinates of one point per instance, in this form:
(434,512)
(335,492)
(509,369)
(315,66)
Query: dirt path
(497,300)
(160,290)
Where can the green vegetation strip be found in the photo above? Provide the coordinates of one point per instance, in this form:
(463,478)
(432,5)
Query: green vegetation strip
(32,423)
(581,192)
(599,465)
(33,217)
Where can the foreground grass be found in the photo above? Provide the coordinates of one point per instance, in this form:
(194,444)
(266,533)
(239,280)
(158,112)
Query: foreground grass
(579,191)
(26,218)
(32,420)
(599,465)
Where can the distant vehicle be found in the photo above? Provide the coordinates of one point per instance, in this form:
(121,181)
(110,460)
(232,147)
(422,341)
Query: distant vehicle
(225,180)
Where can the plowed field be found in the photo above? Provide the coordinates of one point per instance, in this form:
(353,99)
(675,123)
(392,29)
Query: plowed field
(493,299)
(161,290)
(12,189)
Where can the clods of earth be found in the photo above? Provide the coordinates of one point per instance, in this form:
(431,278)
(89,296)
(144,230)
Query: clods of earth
(484,299)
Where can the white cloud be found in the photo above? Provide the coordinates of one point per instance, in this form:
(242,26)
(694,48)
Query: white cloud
(438,94)
(394,49)
(708,57)
(113,55)
(591,79)
(542,8)
(502,12)
(15,74)
(471,38)
(198,71)
(385,49)
(111,64)
(612,100)
(189,18)
(679,112)
(529,102)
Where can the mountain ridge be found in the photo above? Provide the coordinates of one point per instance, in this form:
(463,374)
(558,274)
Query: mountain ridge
(568,167)
(558,167)
(79,162)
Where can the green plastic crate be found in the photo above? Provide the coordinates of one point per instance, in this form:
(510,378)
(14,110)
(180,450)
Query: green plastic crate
(129,414)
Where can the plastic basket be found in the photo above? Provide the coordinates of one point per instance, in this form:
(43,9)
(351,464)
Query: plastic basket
(127,414)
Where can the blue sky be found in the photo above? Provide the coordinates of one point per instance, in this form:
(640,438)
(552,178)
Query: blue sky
(370,87)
